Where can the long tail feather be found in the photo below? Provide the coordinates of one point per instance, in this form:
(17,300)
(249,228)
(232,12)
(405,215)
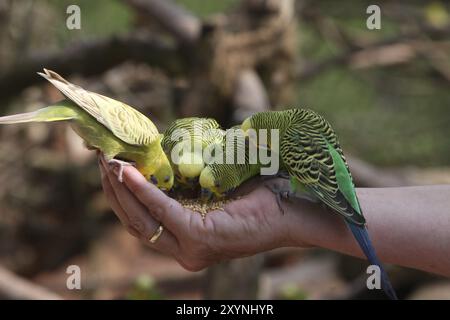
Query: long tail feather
(20,118)
(58,112)
(362,236)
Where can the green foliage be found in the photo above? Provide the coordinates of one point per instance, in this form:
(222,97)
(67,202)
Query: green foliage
(292,292)
(144,289)
(203,8)
(98,18)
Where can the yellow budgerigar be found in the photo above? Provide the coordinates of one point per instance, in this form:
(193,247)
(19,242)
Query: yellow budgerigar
(188,141)
(119,131)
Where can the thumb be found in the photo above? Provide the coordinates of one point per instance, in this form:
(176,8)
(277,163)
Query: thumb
(163,208)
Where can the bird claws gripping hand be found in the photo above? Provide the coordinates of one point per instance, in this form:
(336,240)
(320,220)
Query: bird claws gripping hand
(120,164)
(279,194)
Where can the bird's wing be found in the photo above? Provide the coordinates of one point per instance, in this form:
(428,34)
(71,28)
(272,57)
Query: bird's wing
(125,122)
(307,153)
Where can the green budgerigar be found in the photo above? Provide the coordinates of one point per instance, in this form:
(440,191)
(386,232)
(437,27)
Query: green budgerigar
(187,142)
(119,131)
(219,178)
(310,152)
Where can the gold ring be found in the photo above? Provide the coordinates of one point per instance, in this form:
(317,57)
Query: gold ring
(157,234)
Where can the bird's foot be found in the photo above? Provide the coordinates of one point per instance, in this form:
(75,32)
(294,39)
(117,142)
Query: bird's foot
(283,193)
(120,164)
(280,194)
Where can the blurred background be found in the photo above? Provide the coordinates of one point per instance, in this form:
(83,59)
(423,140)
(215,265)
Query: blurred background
(386,92)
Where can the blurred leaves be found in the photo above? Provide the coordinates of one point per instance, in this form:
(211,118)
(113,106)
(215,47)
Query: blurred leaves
(144,289)
(98,18)
(204,8)
(292,292)
(436,14)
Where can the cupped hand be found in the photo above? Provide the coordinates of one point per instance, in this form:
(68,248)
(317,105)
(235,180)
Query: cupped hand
(251,224)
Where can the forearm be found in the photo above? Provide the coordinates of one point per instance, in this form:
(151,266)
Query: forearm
(409,226)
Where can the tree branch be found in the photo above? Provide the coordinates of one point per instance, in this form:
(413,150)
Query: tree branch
(14,287)
(184,26)
(90,58)
(345,58)
(249,95)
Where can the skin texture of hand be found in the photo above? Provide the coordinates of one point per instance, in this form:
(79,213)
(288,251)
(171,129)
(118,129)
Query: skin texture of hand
(409,226)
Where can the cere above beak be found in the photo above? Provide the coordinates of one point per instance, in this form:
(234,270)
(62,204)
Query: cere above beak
(153,179)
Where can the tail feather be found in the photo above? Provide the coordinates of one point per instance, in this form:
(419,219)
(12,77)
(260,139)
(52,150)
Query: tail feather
(20,118)
(362,236)
(58,112)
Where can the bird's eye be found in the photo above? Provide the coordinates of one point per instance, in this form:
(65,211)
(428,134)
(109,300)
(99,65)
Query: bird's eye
(217,184)
(166,179)
(153,179)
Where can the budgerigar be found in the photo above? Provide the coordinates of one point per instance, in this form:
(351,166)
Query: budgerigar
(119,131)
(310,152)
(221,178)
(190,139)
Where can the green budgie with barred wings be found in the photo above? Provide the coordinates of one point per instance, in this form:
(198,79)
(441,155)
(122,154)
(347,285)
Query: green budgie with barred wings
(311,154)
(219,179)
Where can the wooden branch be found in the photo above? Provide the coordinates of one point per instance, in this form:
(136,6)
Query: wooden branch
(91,58)
(15,287)
(345,58)
(249,96)
(184,26)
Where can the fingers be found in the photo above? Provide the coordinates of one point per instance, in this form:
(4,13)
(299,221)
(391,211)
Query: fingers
(134,216)
(114,203)
(163,208)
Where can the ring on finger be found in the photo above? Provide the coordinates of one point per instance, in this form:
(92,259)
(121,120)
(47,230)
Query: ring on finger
(157,234)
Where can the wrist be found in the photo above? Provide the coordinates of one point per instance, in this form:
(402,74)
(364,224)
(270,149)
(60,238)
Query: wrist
(311,225)
(301,225)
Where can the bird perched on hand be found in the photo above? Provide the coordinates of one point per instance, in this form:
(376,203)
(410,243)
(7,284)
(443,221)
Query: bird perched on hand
(112,127)
(219,178)
(310,152)
(187,142)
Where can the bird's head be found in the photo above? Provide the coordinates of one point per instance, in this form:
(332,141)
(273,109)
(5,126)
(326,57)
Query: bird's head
(190,165)
(209,183)
(163,176)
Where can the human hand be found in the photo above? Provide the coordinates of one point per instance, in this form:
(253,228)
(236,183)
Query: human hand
(244,227)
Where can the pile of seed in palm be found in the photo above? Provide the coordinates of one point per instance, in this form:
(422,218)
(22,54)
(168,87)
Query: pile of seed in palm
(203,207)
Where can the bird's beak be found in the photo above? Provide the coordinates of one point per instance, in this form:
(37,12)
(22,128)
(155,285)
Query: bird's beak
(206,194)
(192,180)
